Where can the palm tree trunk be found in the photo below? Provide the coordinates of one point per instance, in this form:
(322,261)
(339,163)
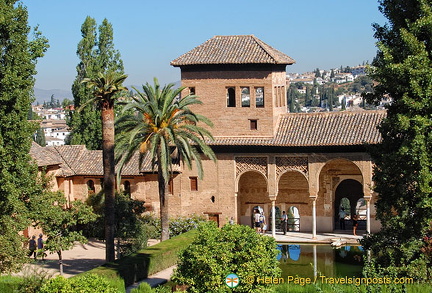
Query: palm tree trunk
(109,180)
(164,216)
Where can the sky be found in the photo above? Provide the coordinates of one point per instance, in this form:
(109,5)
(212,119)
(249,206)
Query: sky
(150,34)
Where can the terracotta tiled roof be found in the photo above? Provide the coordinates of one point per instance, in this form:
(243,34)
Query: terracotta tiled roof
(78,160)
(44,157)
(244,49)
(318,129)
(294,130)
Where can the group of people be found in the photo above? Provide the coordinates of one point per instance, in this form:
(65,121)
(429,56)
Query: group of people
(36,247)
(354,219)
(260,222)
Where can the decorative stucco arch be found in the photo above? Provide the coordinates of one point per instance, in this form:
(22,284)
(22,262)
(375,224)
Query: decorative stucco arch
(252,190)
(248,164)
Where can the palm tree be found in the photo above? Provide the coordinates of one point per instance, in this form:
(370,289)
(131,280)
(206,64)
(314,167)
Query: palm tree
(164,128)
(105,89)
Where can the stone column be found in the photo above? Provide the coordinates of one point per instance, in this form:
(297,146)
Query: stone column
(313,217)
(235,208)
(273,208)
(367,214)
(315,260)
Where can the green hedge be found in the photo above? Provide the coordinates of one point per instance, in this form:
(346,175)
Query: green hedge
(148,261)
(9,284)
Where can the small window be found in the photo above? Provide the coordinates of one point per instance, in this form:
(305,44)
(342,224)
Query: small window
(231,98)
(245,97)
(253,124)
(192,91)
(90,187)
(259,97)
(171,186)
(127,188)
(194,183)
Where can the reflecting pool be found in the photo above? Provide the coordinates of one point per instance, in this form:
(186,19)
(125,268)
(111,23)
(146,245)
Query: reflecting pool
(310,260)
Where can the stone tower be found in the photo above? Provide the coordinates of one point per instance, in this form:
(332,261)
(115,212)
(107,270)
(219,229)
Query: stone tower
(240,80)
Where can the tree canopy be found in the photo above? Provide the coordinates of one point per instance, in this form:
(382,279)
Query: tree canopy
(97,55)
(164,127)
(403,175)
(18,57)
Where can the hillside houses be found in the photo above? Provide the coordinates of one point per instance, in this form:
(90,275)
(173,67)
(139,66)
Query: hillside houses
(53,125)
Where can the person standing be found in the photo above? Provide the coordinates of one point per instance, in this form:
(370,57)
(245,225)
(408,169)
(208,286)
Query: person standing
(342,216)
(263,223)
(355,224)
(32,247)
(284,222)
(40,246)
(257,224)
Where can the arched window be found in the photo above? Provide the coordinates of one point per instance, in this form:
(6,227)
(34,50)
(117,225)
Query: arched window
(245,97)
(231,98)
(361,209)
(127,187)
(90,187)
(346,206)
(293,219)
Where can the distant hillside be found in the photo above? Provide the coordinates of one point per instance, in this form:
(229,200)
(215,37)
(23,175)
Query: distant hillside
(45,95)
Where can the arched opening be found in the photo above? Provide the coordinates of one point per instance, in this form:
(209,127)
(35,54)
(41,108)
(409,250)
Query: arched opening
(90,187)
(349,195)
(252,192)
(338,178)
(293,219)
(293,198)
(231,98)
(361,209)
(344,213)
(127,188)
(260,211)
(278,216)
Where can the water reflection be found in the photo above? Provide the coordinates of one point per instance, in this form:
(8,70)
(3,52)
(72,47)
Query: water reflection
(307,260)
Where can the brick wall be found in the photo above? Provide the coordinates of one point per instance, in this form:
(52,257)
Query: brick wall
(211,86)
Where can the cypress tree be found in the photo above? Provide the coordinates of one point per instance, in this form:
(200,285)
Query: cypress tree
(18,57)
(403,175)
(97,54)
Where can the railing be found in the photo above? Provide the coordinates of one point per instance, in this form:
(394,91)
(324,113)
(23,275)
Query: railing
(293,224)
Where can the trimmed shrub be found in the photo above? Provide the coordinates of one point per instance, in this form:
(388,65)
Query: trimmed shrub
(9,284)
(148,261)
(177,225)
(216,253)
(142,288)
(84,283)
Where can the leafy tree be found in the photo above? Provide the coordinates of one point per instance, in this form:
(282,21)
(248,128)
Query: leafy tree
(105,90)
(293,97)
(18,57)
(40,137)
(216,253)
(66,102)
(129,230)
(97,54)
(58,218)
(308,95)
(403,160)
(344,103)
(168,130)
